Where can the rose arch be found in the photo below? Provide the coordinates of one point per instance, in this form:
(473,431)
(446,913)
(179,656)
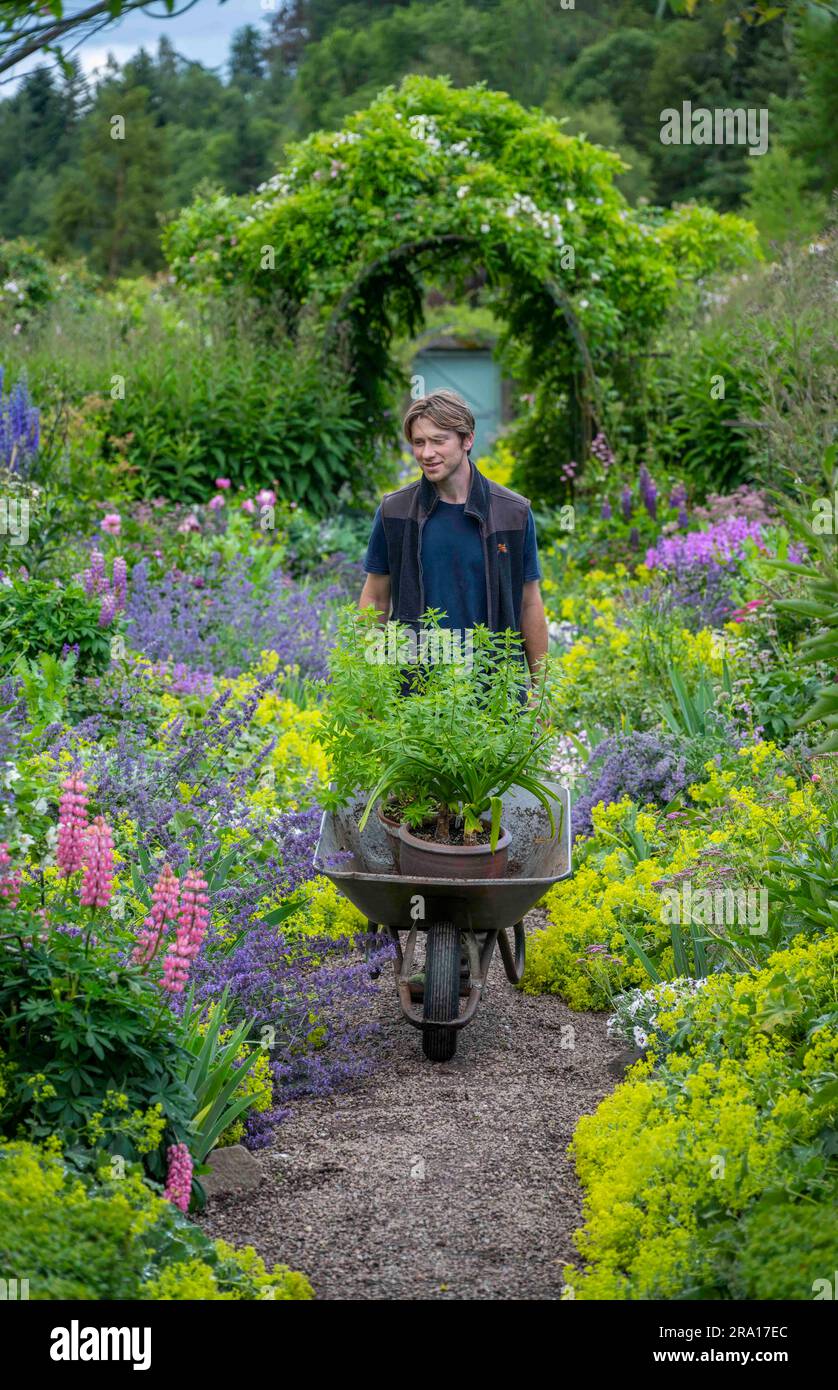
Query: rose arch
(340,242)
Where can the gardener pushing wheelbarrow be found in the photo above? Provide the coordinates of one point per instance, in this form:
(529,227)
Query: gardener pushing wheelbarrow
(456,542)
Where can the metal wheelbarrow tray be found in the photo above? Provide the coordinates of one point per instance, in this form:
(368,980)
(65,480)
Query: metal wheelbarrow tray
(451,911)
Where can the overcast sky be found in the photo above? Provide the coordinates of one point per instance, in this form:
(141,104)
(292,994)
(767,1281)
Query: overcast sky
(202,33)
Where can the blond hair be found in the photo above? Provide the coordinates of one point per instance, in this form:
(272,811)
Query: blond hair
(447,410)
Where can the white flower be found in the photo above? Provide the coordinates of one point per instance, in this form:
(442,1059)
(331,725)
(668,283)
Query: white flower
(11,286)
(41,805)
(640,1039)
(570,205)
(595,279)
(11,776)
(25,841)
(484,227)
(52,836)
(583,303)
(462,190)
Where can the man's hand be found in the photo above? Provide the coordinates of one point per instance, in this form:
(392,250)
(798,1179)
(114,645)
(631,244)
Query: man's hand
(376,591)
(533,626)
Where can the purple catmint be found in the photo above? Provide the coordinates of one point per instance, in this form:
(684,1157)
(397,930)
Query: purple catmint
(648,767)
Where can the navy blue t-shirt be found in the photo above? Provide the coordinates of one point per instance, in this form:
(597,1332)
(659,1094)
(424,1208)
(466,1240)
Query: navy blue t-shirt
(453,572)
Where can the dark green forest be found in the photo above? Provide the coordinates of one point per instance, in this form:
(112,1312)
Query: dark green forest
(608,67)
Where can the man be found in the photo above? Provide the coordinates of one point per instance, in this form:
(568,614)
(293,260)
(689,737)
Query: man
(457,542)
(453,540)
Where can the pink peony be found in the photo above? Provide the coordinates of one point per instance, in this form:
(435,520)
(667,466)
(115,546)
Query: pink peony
(222,482)
(266,498)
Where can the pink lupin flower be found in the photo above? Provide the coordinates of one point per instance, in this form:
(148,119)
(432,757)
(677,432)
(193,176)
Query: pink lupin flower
(96,887)
(266,497)
(9,879)
(72,823)
(94,576)
(120,580)
(216,501)
(249,506)
(193,920)
(107,610)
(164,907)
(179,1176)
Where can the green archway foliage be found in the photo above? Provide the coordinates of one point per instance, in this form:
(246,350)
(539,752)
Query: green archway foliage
(431,179)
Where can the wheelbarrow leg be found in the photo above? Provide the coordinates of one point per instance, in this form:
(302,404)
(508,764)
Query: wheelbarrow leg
(514,962)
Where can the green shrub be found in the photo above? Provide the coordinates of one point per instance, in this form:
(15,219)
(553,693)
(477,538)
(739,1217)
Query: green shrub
(38,617)
(86,1052)
(107,1237)
(782,1249)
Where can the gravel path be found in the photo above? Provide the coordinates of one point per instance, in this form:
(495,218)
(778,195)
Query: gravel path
(446,1181)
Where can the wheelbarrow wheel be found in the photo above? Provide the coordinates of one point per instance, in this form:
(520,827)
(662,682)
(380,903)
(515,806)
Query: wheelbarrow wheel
(442,990)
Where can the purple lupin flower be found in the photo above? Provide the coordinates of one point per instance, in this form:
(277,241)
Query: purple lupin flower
(626,504)
(606,510)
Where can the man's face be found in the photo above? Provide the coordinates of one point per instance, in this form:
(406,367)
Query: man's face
(438,452)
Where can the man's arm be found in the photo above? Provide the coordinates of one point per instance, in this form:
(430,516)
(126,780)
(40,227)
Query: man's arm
(376,591)
(533,626)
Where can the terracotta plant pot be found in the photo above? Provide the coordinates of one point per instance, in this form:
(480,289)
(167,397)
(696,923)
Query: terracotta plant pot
(392,830)
(430,859)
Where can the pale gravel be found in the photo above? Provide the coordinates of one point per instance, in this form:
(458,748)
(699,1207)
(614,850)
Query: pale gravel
(436,1181)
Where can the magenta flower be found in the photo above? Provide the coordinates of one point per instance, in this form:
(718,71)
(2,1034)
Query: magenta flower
(222,482)
(266,497)
(249,506)
(216,501)
(96,886)
(164,907)
(72,824)
(112,523)
(192,922)
(179,1176)
(189,523)
(9,879)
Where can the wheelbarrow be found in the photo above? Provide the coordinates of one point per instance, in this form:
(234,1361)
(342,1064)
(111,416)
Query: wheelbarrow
(475,914)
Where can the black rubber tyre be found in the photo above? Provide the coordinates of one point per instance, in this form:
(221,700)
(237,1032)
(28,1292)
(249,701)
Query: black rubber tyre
(442,990)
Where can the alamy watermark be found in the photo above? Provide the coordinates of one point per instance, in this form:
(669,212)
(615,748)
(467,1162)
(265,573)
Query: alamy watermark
(724,125)
(448,645)
(716,907)
(14,519)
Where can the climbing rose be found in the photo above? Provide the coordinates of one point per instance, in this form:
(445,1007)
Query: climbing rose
(179,1177)
(72,823)
(96,886)
(193,919)
(164,906)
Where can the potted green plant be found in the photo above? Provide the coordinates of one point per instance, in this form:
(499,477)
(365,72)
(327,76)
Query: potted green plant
(445,748)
